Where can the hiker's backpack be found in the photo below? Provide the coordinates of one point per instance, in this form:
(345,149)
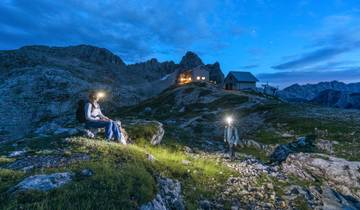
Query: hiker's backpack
(80,111)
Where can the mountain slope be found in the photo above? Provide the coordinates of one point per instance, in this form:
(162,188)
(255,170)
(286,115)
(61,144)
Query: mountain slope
(190,167)
(40,85)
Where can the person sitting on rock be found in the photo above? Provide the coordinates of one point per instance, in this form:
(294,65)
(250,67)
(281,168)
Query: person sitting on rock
(96,119)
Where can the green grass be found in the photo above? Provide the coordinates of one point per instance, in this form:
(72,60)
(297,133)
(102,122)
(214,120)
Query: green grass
(123,177)
(348,150)
(32,145)
(5,160)
(270,137)
(164,105)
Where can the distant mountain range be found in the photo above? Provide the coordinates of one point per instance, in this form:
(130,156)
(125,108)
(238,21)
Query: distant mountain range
(333,94)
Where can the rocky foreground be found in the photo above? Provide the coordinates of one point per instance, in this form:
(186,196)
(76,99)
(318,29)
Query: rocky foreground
(290,157)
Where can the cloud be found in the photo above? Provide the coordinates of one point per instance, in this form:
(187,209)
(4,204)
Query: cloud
(337,35)
(315,57)
(249,66)
(133,29)
(283,79)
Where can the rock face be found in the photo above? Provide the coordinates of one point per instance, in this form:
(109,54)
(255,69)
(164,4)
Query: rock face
(215,73)
(338,173)
(169,196)
(158,136)
(41,85)
(44,182)
(155,130)
(190,60)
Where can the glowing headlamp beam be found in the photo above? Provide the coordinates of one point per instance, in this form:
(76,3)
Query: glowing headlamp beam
(100,94)
(229,120)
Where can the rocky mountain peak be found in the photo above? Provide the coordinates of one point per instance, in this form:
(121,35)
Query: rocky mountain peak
(83,52)
(94,54)
(191,60)
(215,72)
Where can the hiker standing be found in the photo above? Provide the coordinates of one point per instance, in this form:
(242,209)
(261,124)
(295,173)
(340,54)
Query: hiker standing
(94,118)
(231,136)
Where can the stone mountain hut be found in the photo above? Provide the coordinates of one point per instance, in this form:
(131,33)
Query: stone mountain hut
(240,80)
(196,74)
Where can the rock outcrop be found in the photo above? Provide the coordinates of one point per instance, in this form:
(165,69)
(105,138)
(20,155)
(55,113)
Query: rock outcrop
(43,182)
(169,196)
(190,60)
(215,73)
(338,173)
(302,144)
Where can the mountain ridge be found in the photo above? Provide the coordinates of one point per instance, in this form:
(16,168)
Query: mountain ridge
(41,83)
(315,92)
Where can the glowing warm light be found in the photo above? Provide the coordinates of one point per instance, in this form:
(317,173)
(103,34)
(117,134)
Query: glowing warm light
(198,78)
(184,80)
(229,120)
(203,78)
(100,94)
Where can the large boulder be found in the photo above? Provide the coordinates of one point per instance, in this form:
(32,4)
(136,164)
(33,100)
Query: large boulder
(338,173)
(302,144)
(43,182)
(153,131)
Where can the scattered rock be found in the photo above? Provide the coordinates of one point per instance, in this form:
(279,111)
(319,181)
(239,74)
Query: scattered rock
(87,172)
(188,149)
(185,162)
(156,204)
(205,205)
(17,153)
(147,110)
(182,109)
(43,182)
(169,196)
(150,157)
(46,161)
(287,135)
(54,129)
(325,145)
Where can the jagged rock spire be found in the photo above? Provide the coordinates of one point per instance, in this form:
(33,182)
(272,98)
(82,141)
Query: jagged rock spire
(191,60)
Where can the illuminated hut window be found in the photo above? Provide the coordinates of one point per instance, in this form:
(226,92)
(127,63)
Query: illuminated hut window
(184,78)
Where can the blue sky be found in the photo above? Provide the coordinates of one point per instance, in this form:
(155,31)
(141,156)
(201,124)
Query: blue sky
(282,42)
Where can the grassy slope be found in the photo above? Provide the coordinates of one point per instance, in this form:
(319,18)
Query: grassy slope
(293,118)
(123,178)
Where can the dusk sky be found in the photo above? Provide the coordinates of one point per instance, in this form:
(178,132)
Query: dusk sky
(281,42)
